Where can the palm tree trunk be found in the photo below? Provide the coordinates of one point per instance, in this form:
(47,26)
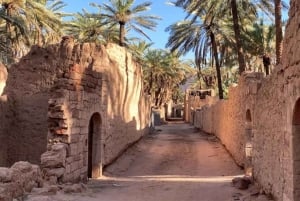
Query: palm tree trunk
(122,34)
(236,27)
(278,24)
(215,53)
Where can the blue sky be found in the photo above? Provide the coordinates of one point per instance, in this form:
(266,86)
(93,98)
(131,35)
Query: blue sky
(169,15)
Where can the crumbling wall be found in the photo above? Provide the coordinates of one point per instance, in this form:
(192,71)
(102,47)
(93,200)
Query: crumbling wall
(21,178)
(104,81)
(27,91)
(54,92)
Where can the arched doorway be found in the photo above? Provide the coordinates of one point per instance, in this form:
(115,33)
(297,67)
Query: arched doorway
(248,145)
(95,151)
(296,149)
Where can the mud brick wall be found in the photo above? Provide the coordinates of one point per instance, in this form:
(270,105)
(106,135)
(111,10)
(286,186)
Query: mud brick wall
(277,134)
(101,81)
(271,120)
(66,92)
(227,119)
(27,91)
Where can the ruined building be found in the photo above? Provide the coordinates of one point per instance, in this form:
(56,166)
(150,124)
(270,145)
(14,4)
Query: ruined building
(260,122)
(77,106)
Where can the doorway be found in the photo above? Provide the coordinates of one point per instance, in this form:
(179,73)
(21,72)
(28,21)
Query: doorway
(296,149)
(95,151)
(248,146)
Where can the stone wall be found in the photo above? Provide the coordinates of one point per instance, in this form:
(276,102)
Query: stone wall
(264,117)
(21,178)
(88,97)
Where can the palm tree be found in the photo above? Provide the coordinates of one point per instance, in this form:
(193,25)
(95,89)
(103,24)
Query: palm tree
(139,49)
(236,28)
(85,27)
(40,22)
(127,16)
(163,71)
(233,9)
(279,4)
(202,36)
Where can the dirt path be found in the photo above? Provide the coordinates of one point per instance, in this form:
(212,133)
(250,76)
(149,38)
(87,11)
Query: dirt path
(177,163)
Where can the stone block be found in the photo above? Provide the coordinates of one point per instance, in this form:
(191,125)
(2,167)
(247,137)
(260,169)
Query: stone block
(75,130)
(5,175)
(57,172)
(73,149)
(74,166)
(75,138)
(56,157)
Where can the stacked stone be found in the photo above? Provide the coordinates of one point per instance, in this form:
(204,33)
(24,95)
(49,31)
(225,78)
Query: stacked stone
(53,163)
(74,94)
(20,178)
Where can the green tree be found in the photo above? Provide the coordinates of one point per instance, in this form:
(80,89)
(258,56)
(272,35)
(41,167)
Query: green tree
(128,16)
(163,71)
(40,24)
(85,27)
(203,40)
(238,10)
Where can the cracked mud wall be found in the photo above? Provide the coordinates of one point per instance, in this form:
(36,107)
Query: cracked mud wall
(53,92)
(27,91)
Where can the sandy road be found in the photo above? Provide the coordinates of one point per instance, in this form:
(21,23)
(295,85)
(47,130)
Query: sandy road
(177,163)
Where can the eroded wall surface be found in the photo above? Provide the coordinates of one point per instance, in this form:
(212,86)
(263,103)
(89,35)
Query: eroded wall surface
(227,118)
(27,91)
(54,92)
(276,159)
(265,112)
(104,81)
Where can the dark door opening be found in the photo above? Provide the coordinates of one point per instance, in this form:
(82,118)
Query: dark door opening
(248,145)
(296,149)
(94,147)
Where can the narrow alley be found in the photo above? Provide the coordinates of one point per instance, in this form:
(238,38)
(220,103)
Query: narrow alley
(176,163)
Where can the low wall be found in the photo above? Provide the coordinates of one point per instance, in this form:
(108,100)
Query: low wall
(227,118)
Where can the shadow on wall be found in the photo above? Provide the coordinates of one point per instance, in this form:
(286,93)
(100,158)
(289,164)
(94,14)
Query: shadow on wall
(70,83)
(98,85)
(27,91)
